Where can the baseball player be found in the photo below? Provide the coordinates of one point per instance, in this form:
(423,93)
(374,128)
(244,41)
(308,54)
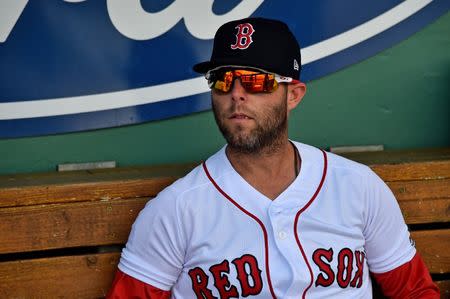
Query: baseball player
(268,217)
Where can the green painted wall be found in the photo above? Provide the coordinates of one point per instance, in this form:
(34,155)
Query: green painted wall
(399,98)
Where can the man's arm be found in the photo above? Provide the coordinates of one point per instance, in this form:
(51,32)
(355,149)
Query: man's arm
(124,286)
(391,255)
(152,259)
(410,280)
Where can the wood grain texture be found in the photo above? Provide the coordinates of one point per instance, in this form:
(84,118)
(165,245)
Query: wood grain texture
(444,287)
(87,176)
(104,223)
(46,188)
(413,171)
(76,192)
(423,211)
(83,276)
(434,246)
(416,190)
(428,177)
(67,225)
(149,187)
(400,156)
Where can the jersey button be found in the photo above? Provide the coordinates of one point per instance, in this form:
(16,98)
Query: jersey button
(282,235)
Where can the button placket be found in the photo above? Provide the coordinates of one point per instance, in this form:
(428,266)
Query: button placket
(279,224)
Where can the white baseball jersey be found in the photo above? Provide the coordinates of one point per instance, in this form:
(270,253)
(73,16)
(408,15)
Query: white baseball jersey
(212,235)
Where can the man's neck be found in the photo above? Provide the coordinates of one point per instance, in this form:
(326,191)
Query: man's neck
(270,170)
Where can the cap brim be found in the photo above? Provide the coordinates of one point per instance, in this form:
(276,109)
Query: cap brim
(203,67)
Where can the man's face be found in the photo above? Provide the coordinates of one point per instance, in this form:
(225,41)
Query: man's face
(250,122)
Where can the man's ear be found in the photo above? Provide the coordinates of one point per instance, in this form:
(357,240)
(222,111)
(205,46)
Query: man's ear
(295,93)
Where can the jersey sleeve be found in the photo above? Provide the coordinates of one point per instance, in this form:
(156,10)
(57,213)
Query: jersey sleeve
(154,252)
(125,286)
(410,280)
(387,238)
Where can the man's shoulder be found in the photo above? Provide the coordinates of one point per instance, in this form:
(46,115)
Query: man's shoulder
(335,163)
(196,179)
(340,162)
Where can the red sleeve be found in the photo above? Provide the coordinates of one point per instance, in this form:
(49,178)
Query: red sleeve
(410,280)
(125,286)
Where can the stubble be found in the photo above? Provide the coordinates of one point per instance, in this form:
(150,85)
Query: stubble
(267,136)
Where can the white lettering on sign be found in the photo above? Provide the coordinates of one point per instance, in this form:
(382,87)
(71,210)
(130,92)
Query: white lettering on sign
(134,22)
(152,94)
(130,18)
(10,11)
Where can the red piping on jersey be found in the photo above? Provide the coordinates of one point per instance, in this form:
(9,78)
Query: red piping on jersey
(266,244)
(325,165)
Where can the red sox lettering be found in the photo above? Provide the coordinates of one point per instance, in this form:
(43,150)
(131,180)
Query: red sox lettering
(250,280)
(344,274)
(244,36)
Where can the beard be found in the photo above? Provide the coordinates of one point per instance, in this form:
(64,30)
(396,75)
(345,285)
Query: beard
(271,127)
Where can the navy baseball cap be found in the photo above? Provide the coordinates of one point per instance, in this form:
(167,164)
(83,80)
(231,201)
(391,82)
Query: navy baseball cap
(259,43)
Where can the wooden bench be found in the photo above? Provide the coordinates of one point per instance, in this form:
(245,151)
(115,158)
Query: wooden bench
(61,233)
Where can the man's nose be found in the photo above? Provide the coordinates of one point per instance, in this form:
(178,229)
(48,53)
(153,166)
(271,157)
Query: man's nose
(238,92)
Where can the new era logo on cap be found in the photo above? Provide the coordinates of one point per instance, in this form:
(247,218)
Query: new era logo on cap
(296,66)
(244,36)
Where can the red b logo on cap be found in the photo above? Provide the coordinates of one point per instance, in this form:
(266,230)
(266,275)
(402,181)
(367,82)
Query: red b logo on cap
(244,36)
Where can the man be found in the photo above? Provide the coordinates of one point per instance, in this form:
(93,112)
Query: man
(267,217)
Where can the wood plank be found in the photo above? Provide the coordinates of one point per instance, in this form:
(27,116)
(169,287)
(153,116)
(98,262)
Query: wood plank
(106,190)
(417,190)
(88,176)
(444,287)
(431,210)
(67,225)
(413,171)
(400,156)
(47,194)
(43,188)
(108,222)
(84,276)
(47,188)
(434,246)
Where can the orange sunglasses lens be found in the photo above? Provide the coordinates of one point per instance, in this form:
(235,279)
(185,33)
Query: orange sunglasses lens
(252,81)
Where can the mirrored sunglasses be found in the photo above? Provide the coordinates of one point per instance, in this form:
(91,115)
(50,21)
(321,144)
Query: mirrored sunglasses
(252,81)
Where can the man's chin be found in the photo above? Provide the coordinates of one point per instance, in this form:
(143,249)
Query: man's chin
(242,143)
